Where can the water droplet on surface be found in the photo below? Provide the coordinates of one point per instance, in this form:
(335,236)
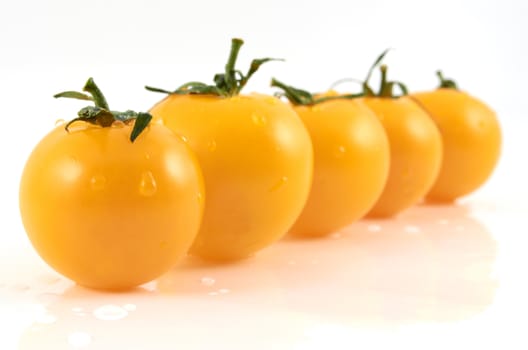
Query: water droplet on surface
(282,181)
(316,108)
(211,146)
(259,120)
(110,313)
(46,319)
(147,184)
(48,298)
(130,307)
(412,229)
(59,122)
(118,124)
(340,151)
(79,339)
(223,291)
(98,182)
(207,281)
(443,222)
(213,293)
(374,228)
(19,288)
(147,156)
(200,198)
(335,235)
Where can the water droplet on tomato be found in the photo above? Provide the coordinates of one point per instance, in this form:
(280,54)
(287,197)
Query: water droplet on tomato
(207,281)
(259,120)
(340,151)
(213,293)
(183,138)
(223,291)
(316,108)
(118,124)
(130,307)
(147,184)
(200,198)
(211,146)
(98,182)
(79,339)
(59,122)
(110,313)
(147,156)
(272,100)
(283,180)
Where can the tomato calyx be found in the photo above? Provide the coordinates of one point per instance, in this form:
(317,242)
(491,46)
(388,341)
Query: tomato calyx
(386,89)
(445,83)
(100,114)
(300,97)
(226,84)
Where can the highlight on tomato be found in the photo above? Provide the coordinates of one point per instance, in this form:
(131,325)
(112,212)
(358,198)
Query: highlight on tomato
(351,159)
(471,137)
(256,157)
(109,199)
(415,144)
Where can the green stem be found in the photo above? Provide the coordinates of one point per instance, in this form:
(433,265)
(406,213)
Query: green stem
(229,75)
(98,97)
(446,83)
(226,84)
(300,97)
(385,89)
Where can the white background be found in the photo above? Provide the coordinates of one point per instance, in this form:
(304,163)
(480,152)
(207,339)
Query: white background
(55,45)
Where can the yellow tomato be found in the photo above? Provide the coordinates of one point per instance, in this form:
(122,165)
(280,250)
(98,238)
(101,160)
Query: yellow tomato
(471,141)
(351,163)
(109,213)
(415,151)
(256,157)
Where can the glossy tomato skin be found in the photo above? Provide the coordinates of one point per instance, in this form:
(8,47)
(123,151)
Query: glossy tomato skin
(108,213)
(257,161)
(415,151)
(351,164)
(471,140)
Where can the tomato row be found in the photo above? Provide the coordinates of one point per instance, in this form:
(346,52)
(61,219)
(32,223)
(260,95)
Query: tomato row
(114,199)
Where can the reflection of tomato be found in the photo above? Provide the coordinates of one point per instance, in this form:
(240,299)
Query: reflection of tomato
(256,158)
(471,137)
(416,153)
(107,212)
(351,163)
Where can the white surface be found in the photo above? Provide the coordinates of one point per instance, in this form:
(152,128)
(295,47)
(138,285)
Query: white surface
(419,282)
